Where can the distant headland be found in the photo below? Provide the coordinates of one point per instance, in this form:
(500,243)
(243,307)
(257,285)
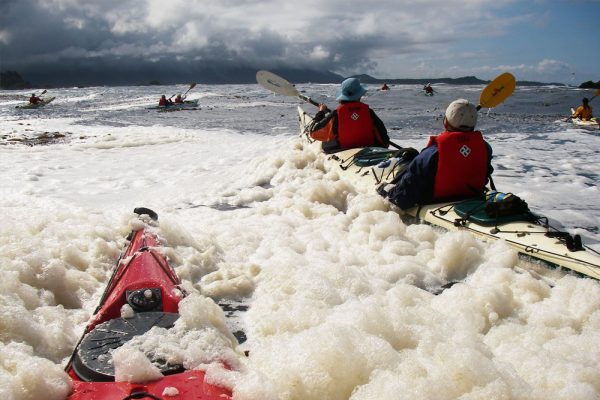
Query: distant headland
(465,80)
(240,75)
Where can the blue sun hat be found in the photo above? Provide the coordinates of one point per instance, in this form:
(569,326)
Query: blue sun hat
(350,90)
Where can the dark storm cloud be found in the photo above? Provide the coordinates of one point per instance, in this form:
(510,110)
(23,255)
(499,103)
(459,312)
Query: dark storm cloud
(120,41)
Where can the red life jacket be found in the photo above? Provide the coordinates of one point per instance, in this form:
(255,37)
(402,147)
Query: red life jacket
(355,125)
(162,102)
(462,167)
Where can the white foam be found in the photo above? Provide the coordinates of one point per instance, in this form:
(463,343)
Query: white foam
(342,302)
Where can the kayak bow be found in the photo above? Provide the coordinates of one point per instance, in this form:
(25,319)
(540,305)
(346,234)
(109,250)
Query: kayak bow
(142,282)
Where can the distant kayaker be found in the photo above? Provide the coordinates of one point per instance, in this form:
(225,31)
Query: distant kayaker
(385,87)
(34,99)
(178,99)
(352,124)
(584,111)
(455,164)
(428,89)
(163,102)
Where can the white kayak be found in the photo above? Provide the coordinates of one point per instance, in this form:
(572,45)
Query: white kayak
(593,123)
(37,105)
(187,104)
(533,238)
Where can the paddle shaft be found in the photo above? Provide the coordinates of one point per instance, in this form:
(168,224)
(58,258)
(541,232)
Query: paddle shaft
(493,94)
(309,100)
(193,85)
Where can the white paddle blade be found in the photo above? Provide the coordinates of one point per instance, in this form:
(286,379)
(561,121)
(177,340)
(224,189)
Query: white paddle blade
(275,83)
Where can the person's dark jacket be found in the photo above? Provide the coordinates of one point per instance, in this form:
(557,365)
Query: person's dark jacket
(415,186)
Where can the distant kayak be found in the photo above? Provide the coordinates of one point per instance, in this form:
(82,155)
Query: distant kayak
(37,105)
(593,123)
(177,106)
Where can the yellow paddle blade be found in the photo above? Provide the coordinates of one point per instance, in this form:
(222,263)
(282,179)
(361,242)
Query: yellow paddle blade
(497,90)
(597,93)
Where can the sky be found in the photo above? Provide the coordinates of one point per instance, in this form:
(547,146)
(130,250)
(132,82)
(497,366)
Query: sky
(539,40)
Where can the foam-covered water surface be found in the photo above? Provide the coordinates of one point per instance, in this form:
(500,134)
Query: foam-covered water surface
(344,299)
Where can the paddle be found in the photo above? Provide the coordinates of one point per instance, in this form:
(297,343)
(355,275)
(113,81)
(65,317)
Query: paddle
(193,85)
(277,84)
(38,96)
(40,93)
(492,95)
(497,91)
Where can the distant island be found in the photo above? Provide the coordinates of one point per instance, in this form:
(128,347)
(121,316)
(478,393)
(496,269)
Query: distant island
(12,80)
(590,85)
(465,80)
(208,75)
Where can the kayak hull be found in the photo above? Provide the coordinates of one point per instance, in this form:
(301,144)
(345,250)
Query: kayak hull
(188,384)
(530,238)
(188,104)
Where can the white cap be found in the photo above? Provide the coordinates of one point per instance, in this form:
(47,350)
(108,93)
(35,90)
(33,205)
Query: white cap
(462,115)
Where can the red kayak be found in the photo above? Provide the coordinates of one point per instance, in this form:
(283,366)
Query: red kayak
(145,281)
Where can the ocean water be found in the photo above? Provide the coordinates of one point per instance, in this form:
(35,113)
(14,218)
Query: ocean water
(343,297)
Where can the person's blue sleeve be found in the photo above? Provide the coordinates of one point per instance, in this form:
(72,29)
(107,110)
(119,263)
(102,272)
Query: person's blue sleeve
(416,184)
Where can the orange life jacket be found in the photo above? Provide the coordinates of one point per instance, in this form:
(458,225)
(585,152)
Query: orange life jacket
(355,125)
(583,113)
(462,167)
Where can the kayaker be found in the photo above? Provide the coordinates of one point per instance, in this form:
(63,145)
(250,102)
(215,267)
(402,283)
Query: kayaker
(352,124)
(34,99)
(455,164)
(428,89)
(163,102)
(178,99)
(385,87)
(584,111)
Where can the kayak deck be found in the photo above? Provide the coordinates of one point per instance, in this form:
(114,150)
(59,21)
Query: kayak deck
(535,239)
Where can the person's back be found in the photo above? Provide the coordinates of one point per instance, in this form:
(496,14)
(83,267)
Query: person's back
(455,164)
(352,124)
(34,99)
(584,111)
(163,101)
